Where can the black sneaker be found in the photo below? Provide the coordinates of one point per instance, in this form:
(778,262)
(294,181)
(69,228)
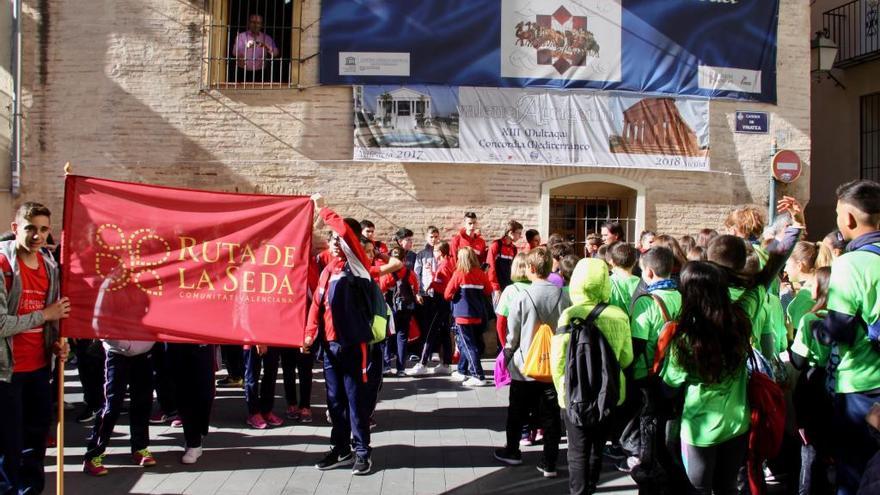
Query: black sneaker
(87,416)
(400,374)
(334,459)
(511,458)
(362,466)
(548,470)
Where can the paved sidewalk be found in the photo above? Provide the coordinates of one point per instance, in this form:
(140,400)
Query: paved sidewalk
(433,436)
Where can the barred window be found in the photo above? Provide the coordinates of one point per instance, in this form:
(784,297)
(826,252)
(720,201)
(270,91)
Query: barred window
(252,44)
(576,217)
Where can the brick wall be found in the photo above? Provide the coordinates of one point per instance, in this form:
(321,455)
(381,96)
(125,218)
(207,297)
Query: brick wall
(113,87)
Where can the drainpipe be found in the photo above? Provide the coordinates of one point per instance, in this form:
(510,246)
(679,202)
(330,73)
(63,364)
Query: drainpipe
(771,200)
(16,100)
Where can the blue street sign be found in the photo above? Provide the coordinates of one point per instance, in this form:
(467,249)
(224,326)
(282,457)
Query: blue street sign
(752,122)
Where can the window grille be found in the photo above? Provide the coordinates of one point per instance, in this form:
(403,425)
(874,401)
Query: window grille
(252,44)
(870,137)
(577,217)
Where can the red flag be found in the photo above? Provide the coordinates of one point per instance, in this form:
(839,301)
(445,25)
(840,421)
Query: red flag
(177,265)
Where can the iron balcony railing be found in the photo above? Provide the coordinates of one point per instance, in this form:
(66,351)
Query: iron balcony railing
(855,27)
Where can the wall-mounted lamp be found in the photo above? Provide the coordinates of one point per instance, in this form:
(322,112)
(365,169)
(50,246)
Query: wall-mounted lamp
(823,51)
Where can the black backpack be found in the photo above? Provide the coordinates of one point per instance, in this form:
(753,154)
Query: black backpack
(592,373)
(401,295)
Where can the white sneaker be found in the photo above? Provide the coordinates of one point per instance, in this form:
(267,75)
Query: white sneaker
(440,369)
(474,382)
(458,376)
(191,455)
(418,370)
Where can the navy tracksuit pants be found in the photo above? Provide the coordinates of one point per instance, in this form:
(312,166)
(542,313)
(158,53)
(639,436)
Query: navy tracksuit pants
(399,340)
(295,363)
(90,365)
(163,380)
(437,330)
(26,413)
(260,394)
(234,360)
(374,376)
(470,348)
(348,396)
(132,373)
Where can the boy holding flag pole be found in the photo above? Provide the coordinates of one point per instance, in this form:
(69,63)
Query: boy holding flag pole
(29,309)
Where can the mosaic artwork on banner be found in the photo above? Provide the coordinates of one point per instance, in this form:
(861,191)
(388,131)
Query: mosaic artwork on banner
(443,124)
(695,47)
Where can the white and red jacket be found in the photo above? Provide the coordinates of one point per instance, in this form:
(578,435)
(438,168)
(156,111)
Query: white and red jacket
(468,293)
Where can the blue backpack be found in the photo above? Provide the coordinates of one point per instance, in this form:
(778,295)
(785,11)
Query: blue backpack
(873,327)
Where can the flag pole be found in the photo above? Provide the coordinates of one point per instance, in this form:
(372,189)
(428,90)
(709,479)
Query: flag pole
(59,431)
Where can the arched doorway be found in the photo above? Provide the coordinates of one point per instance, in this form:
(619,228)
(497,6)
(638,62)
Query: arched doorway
(578,205)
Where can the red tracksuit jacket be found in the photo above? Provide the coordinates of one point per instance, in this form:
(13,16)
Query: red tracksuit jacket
(466,291)
(500,259)
(477,243)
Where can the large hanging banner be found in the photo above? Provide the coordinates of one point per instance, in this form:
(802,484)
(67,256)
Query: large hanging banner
(445,124)
(162,264)
(708,48)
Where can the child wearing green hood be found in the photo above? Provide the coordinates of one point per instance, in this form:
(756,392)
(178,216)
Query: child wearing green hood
(590,286)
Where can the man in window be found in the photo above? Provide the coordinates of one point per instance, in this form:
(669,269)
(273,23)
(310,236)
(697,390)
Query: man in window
(252,49)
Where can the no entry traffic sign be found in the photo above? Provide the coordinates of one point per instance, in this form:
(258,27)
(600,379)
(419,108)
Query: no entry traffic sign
(787,166)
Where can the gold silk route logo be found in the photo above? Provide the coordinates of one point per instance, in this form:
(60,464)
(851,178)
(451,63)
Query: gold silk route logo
(134,259)
(127,264)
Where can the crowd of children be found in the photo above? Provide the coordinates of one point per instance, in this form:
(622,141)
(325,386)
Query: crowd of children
(688,323)
(702,364)
(699,336)
(687,329)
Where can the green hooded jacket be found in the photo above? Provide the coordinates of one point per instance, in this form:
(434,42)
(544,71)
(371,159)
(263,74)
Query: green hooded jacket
(590,285)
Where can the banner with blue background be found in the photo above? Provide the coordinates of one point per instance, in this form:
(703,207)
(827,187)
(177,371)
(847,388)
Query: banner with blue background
(711,48)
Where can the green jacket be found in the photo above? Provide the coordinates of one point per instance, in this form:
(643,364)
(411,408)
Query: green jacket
(590,285)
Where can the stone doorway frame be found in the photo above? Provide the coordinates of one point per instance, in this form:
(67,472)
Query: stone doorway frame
(548,186)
